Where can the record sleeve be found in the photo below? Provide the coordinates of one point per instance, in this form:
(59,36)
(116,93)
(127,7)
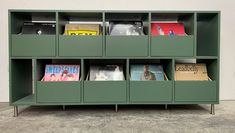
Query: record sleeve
(147,72)
(106,72)
(126,28)
(62,73)
(168,29)
(38,28)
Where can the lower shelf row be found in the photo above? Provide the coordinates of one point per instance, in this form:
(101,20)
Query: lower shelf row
(113,69)
(118,92)
(26,74)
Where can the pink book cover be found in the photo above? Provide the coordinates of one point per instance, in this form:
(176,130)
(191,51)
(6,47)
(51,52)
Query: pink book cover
(62,73)
(167,29)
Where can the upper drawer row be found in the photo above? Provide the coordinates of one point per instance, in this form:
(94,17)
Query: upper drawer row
(202,38)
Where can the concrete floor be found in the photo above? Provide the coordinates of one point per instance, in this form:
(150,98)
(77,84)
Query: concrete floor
(129,119)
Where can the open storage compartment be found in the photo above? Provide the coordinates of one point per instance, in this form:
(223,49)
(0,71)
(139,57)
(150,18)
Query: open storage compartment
(207,34)
(80,45)
(152,91)
(57,91)
(32,44)
(122,45)
(107,91)
(199,91)
(21,82)
(164,45)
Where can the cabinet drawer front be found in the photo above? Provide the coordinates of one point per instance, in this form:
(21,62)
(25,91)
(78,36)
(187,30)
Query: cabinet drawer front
(195,91)
(172,46)
(80,45)
(33,45)
(105,91)
(126,45)
(150,91)
(63,92)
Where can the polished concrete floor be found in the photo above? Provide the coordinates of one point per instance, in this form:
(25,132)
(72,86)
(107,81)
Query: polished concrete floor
(129,119)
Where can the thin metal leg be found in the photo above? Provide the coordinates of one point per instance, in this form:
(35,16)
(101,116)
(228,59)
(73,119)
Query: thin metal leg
(116,108)
(212,109)
(15,111)
(63,107)
(166,107)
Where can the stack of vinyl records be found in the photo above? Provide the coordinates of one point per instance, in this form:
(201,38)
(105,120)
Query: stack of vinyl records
(147,72)
(106,72)
(57,72)
(167,29)
(38,28)
(82,29)
(191,71)
(126,28)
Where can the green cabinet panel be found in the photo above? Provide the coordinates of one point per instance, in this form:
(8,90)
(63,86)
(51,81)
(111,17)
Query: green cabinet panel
(29,53)
(80,45)
(53,92)
(33,45)
(105,91)
(172,46)
(126,46)
(195,91)
(151,91)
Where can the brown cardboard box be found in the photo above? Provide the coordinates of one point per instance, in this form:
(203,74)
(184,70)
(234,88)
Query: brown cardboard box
(191,72)
(82,29)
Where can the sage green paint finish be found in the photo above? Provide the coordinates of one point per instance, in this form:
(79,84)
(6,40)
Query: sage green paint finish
(33,45)
(126,46)
(105,91)
(151,91)
(172,46)
(195,91)
(80,45)
(212,67)
(207,34)
(28,100)
(197,23)
(50,92)
(21,78)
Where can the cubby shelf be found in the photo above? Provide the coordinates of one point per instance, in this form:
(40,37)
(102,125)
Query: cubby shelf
(28,100)
(30,53)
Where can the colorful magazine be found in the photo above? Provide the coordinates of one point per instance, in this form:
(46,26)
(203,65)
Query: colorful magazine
(62,73)
(147,72)
(168,29)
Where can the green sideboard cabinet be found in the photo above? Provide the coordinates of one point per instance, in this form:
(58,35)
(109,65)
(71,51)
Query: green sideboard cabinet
(29,54)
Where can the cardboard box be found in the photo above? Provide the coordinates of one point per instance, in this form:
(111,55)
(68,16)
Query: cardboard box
(191,72)
(82,29)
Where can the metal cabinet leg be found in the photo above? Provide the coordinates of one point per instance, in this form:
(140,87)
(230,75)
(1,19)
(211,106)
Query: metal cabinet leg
(166,107)
(15,111)
(116,108)
(212,109)
(63,107)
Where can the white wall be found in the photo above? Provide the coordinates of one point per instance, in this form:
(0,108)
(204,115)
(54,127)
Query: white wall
(227,69)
